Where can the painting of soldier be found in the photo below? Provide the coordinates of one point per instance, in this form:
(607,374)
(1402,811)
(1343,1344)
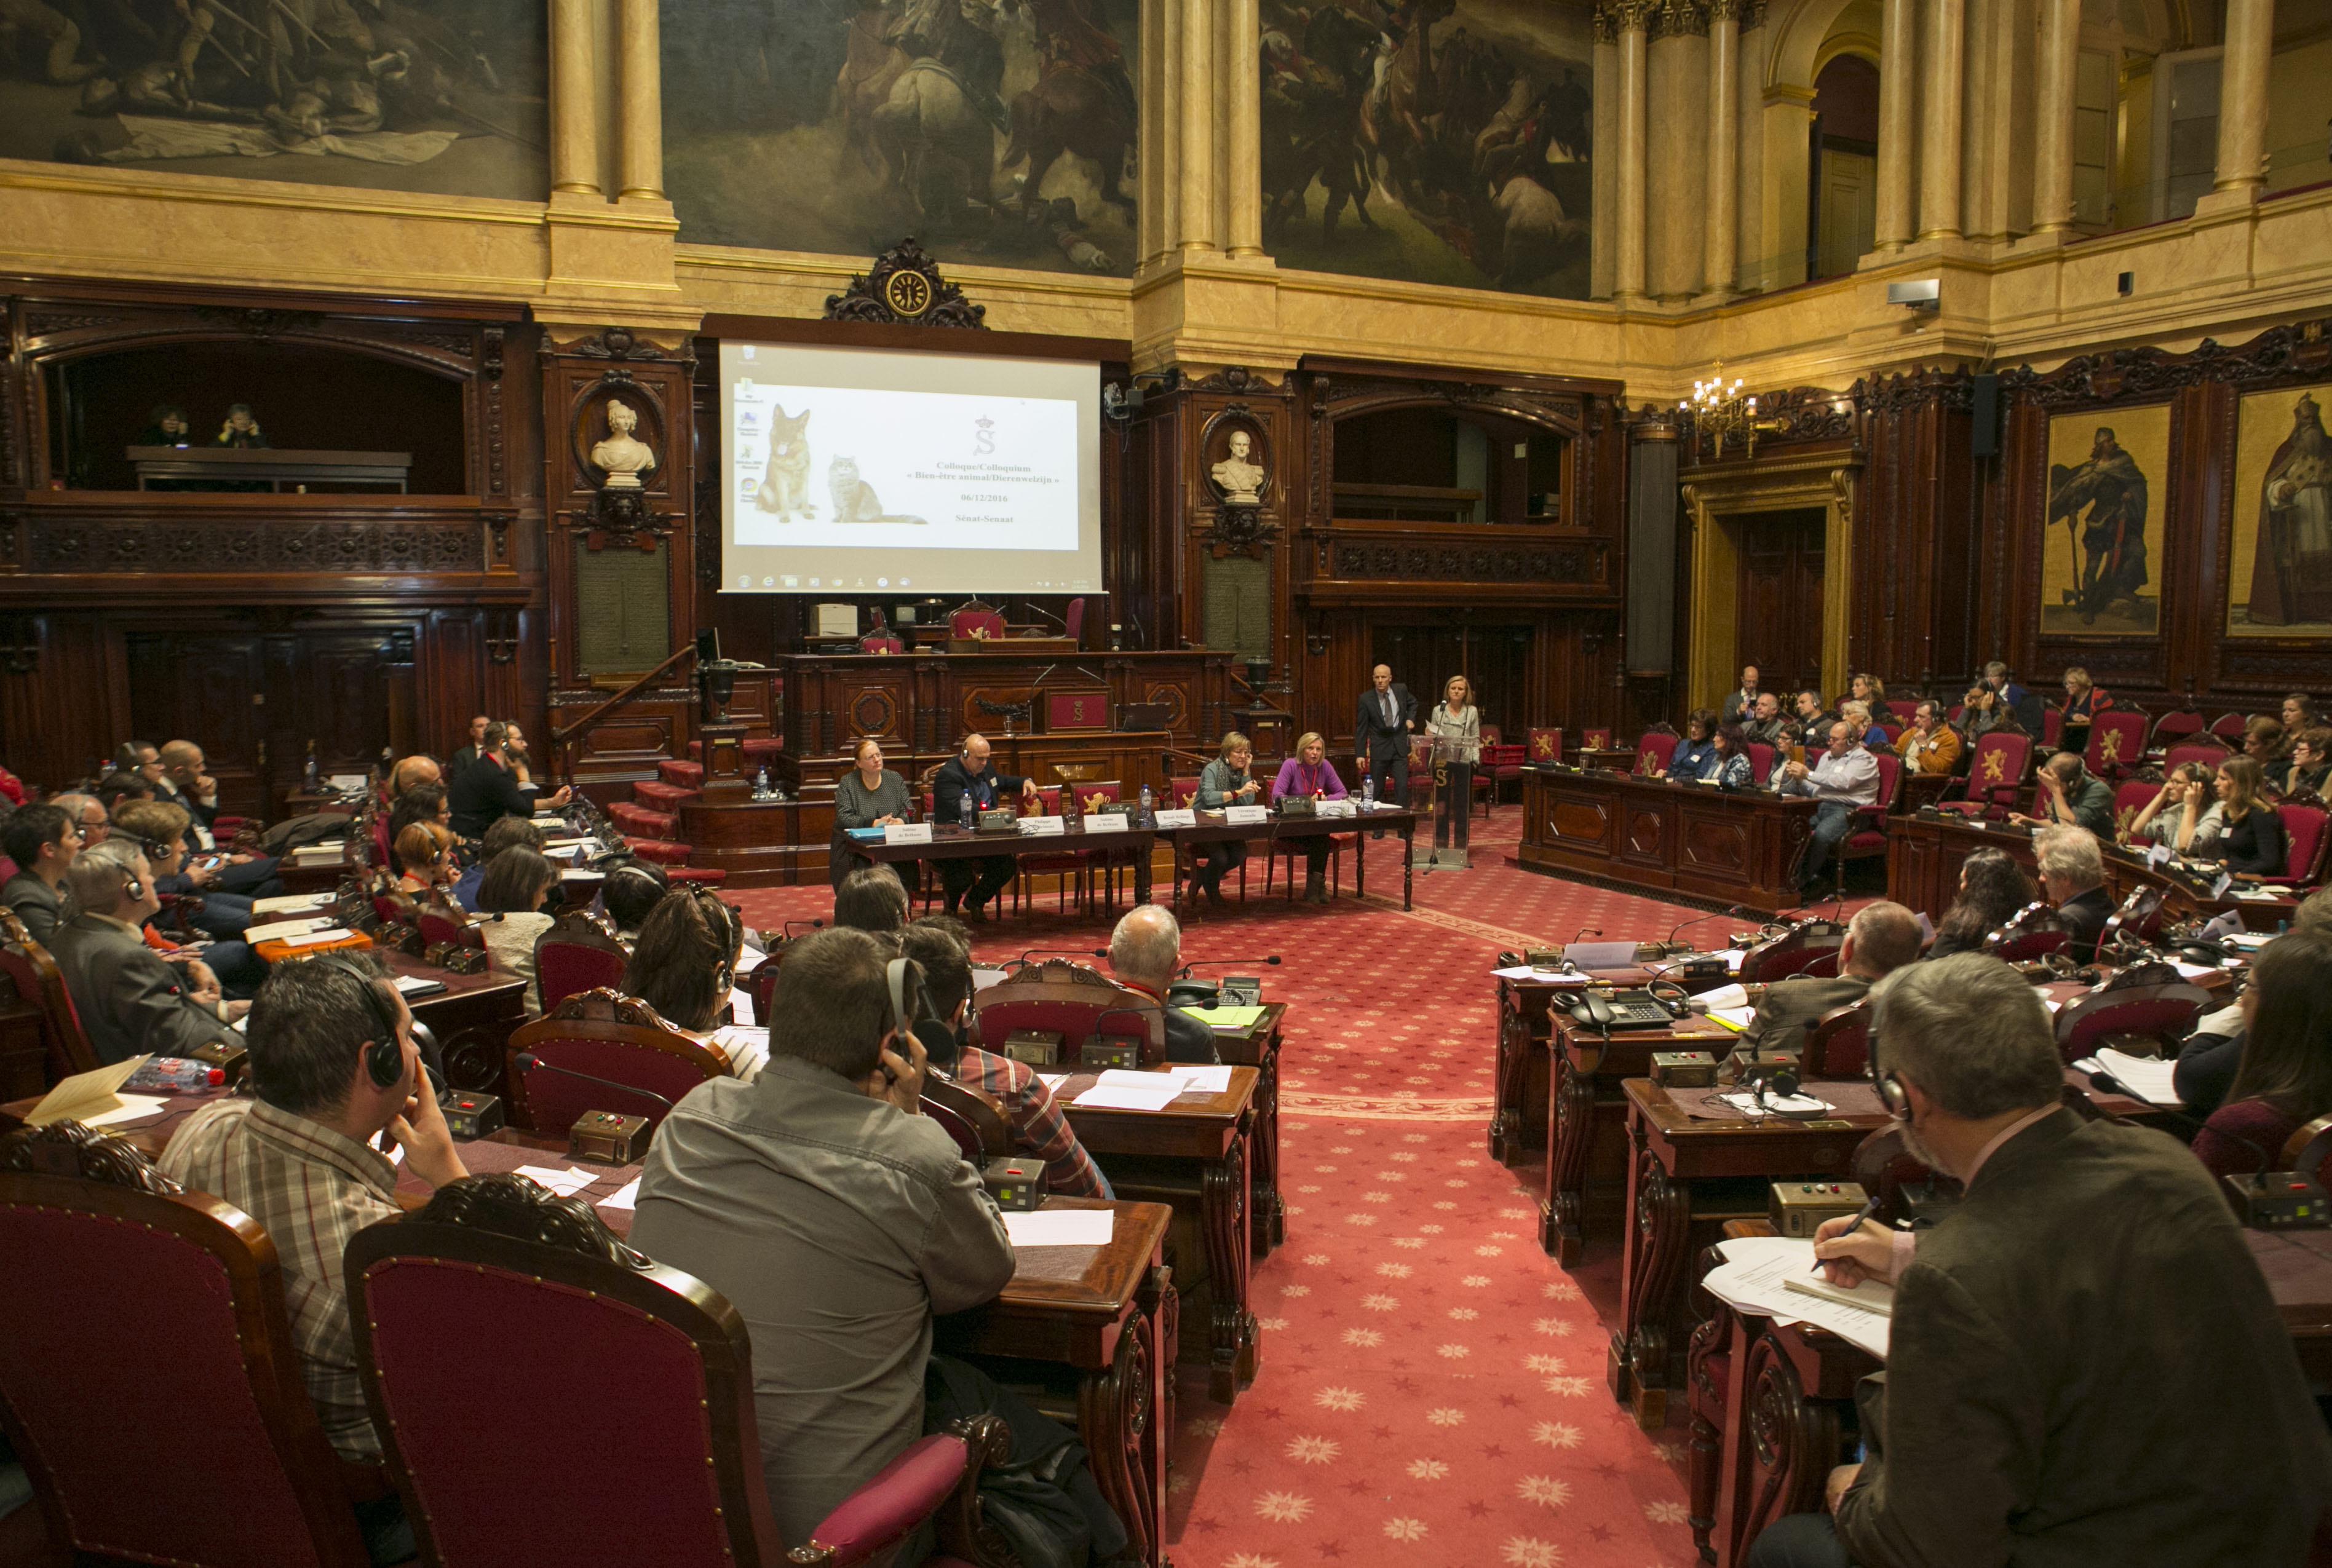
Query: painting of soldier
(448,96)
(996,132)
(1436,142)
(2279,581)
(2095,578)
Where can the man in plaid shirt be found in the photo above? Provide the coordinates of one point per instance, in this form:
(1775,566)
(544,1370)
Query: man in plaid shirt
(1036,1122)
(298,1159)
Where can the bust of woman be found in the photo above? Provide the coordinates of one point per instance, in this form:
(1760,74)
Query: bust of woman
(621,454)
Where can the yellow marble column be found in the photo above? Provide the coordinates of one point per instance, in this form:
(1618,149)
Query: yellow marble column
(1196,46)
(1939,138)
(1720,237)
(1898,58)
(2052,140)
(1749,117)
(1628,254)
(2243,101)
(642,90)
(574,145)
(1243,123)
(1603,233)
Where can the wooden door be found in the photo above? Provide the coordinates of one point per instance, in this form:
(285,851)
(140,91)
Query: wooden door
(1495,659)
(1779,613)
(210,689)
(330,687)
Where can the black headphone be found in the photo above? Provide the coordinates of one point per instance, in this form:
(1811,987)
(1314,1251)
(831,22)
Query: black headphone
(729,927)
(384,1057)
(1889,1087)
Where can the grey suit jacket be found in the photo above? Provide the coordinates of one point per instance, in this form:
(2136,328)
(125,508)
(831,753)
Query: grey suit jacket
(2086,1367)
(36,903)
(129,999)
(1791,1006)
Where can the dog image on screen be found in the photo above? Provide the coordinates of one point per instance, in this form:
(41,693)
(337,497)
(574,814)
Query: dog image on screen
(785,482)
(854,499)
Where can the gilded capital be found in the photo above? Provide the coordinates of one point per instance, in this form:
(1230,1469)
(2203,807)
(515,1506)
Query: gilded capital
(1753,14)
(1722,10)
(1607,24)
(1634,16)
(1680,19)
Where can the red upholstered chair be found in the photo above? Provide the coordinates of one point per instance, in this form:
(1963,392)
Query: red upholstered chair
(880,642)
(2034,932)
(1893,732)
(501,1320)
(1074,1000)
(2117,742)
(973,1118)
(1420,772)
(27,968)
(1287,849)
(1501,764)
(2172,728)
(1883,1167)
(1185,791)
(1074,622)
(614,1036)
(441,921)
(1903,709)
(2228,727)
(976,620)
(1654,751)
(2132,796)
(1790,952)
(1069,866)
(760,981)
(1995,769)
(1823,968)
(2052,726)
(1761,762)
(1866,833)
(1545,746)
(579,952)
(1595,739)
(2163,1015)
(1838,1045)
(200,1448)
(2305,841)
(2209,753)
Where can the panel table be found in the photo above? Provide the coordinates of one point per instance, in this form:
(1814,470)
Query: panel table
(1644,834)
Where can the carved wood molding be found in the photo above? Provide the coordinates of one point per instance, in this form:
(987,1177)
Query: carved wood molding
(2299,348)
(904,288)
(80,545)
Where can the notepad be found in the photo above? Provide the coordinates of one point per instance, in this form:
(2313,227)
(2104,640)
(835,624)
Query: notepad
(1225,1017)
(1215,1079)
(85,1097)
(289,902)
(1734,1018)
(1101,1098)
(1062,1227)
(283,929)
(2153,1078)
(1870,1296)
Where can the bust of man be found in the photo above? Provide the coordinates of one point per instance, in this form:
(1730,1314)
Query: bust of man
(623,456)
(1238,476)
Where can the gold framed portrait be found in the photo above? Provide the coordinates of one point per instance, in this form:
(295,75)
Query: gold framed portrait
(2109,481)
(2280,562)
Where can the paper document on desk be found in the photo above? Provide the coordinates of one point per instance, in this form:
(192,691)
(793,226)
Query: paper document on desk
(627,1196)
(1773,1104)
(741,1006)
(567,1183)
(2151,1076)
(746,1046)
(982,979)
(282,930)
(1062,1227)
(86,1096)
(1225,1017)
(1734,1018)
(1208,1080)
(1052,1081)
(132,1108)
(1105,1097)
(1731,996)
(1544,976)
(2193,971)
(1756,1277)
(288,903)
(310,938)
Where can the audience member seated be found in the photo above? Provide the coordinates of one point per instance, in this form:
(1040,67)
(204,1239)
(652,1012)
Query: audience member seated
(522,763)
(1692,753)
(411,773)
(424,802)
(684,964)
(487,790)
(2069,793)
(129,998)
(1866,731)
(512,894)
(332,1067)
(1881,939)
(1992,888)
(1741,707)
(833,1216)
(969,776)
(1144,952)
(161,830)
(115,787)
(2182,813)
(1225,781)
(2073,875)
(1810,725)
(2025,705)
(1844,777)
(2210,1059)
(1867,689)
(89,812)
(630,895)
(179,779)
(871,898)
(2251,841)
(2283,1079)
(1929,745)
(507,833)
(1765,728)
(1308,773)
(2298,712)
(2263,742)
(2310,764)
(470,753)
(1728,766)
(1984,710)
(944,951)
(2084,701)
(2048,1397)
(425,859)
(42,841)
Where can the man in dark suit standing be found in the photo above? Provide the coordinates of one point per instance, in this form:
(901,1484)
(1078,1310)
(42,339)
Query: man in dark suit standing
(1380,730)
(1144,951)
(461,760)
(487,790)
(1882,938)
(129,999)
(2085,1364)
(970,775)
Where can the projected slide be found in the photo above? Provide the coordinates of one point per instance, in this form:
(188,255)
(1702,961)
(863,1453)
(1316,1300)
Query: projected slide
(934,473)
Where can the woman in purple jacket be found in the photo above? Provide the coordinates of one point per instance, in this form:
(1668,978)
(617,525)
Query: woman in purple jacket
(1309,772)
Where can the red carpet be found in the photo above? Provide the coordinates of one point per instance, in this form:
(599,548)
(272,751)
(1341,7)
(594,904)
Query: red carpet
(1431,1388)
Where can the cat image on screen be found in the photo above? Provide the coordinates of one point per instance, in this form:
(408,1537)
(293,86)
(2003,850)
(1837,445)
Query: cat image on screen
(785,482)
(854,499)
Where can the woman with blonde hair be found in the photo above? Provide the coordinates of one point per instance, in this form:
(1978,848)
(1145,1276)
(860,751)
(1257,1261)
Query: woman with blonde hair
(1224,782)
(1310,774)
(1457,730)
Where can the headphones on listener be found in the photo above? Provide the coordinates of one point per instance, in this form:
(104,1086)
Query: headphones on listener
(1890,1087)
(384,1057)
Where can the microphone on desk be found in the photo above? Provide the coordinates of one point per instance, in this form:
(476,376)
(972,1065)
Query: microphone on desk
(813,924)
(1585,931)
(527,1061)
(1734,911)
(1215,963)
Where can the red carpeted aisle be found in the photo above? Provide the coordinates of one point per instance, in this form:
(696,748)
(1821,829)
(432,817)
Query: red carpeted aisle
(1431,1388)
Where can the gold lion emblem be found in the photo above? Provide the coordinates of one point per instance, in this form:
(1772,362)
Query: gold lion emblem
(1994,767)
(2110,748)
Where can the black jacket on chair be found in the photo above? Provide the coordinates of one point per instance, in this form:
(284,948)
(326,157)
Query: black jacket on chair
(2085,915)
(1372,736)
(129,999)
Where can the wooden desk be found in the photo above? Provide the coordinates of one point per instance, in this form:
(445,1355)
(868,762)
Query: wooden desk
(1257,1046)
(1644,834)
(1360,828)
(472,1018)
(1924,857)
(1194,1156)
(1129,846)
(323,878)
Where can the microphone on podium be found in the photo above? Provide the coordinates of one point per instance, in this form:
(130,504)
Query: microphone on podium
(1217,962)
(527,1061)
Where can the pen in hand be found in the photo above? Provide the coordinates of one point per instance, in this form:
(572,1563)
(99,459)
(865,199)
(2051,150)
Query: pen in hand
(1869,1207)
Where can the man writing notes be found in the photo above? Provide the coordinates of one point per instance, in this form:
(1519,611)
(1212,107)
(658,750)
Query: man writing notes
(2084,1364)
(1380,730)
(969,776)
(1844,777)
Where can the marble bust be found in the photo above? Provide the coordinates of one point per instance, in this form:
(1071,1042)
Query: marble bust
(1238,476)
(624,457)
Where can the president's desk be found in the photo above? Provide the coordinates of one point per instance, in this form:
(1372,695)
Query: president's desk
(1648,834)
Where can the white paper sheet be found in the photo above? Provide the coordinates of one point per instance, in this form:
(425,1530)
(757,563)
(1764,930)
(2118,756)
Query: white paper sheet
(566,1184)
(1734,1019)
(334,933)
(1140,1083)
(982,979)
(2151,1076)
(1052,1080)
(284,930)
(1775,1105)
(133,1108)
(1731,996)
(1213,1080)
(2193,971)
(1062,1227)
(1098,1098)
(1524,971)
(748,1046)
(1752,1275)
(741,1005)
(292,902)
(627,1196)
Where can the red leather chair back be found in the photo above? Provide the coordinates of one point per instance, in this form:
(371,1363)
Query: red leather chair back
(1823,968)
(1761,761)
(28,967)
(1492,735)
(881,644)
(2202,751)
(2164,1013)
(2228,727)
(955,1125)
(1088,795)
(563,968)
(1654,752)
(1073,999)
(611,1036)
(1903,709)
(2035,931)
(2304,838)
(1790,952)
(1075,621)
(152,1380)
(1997,767)
(2052,726)
(2129,799)
(975,620)
(1838,1045)
(1546,745)
(438,925)
(2172,728)
(1595,739)
(1184,790)
(2116,741)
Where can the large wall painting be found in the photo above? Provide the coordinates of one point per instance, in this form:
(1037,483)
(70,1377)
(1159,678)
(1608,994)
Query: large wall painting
(2108,483)
(996,132)
(446,97)
(2280,571)
(1445,141)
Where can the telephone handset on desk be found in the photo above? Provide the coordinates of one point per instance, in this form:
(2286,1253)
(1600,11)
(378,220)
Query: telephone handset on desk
(1659,1003)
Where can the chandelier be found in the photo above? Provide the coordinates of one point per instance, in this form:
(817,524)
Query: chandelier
(1721,413)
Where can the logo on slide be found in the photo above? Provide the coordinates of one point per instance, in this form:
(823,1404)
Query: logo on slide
(983,440)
